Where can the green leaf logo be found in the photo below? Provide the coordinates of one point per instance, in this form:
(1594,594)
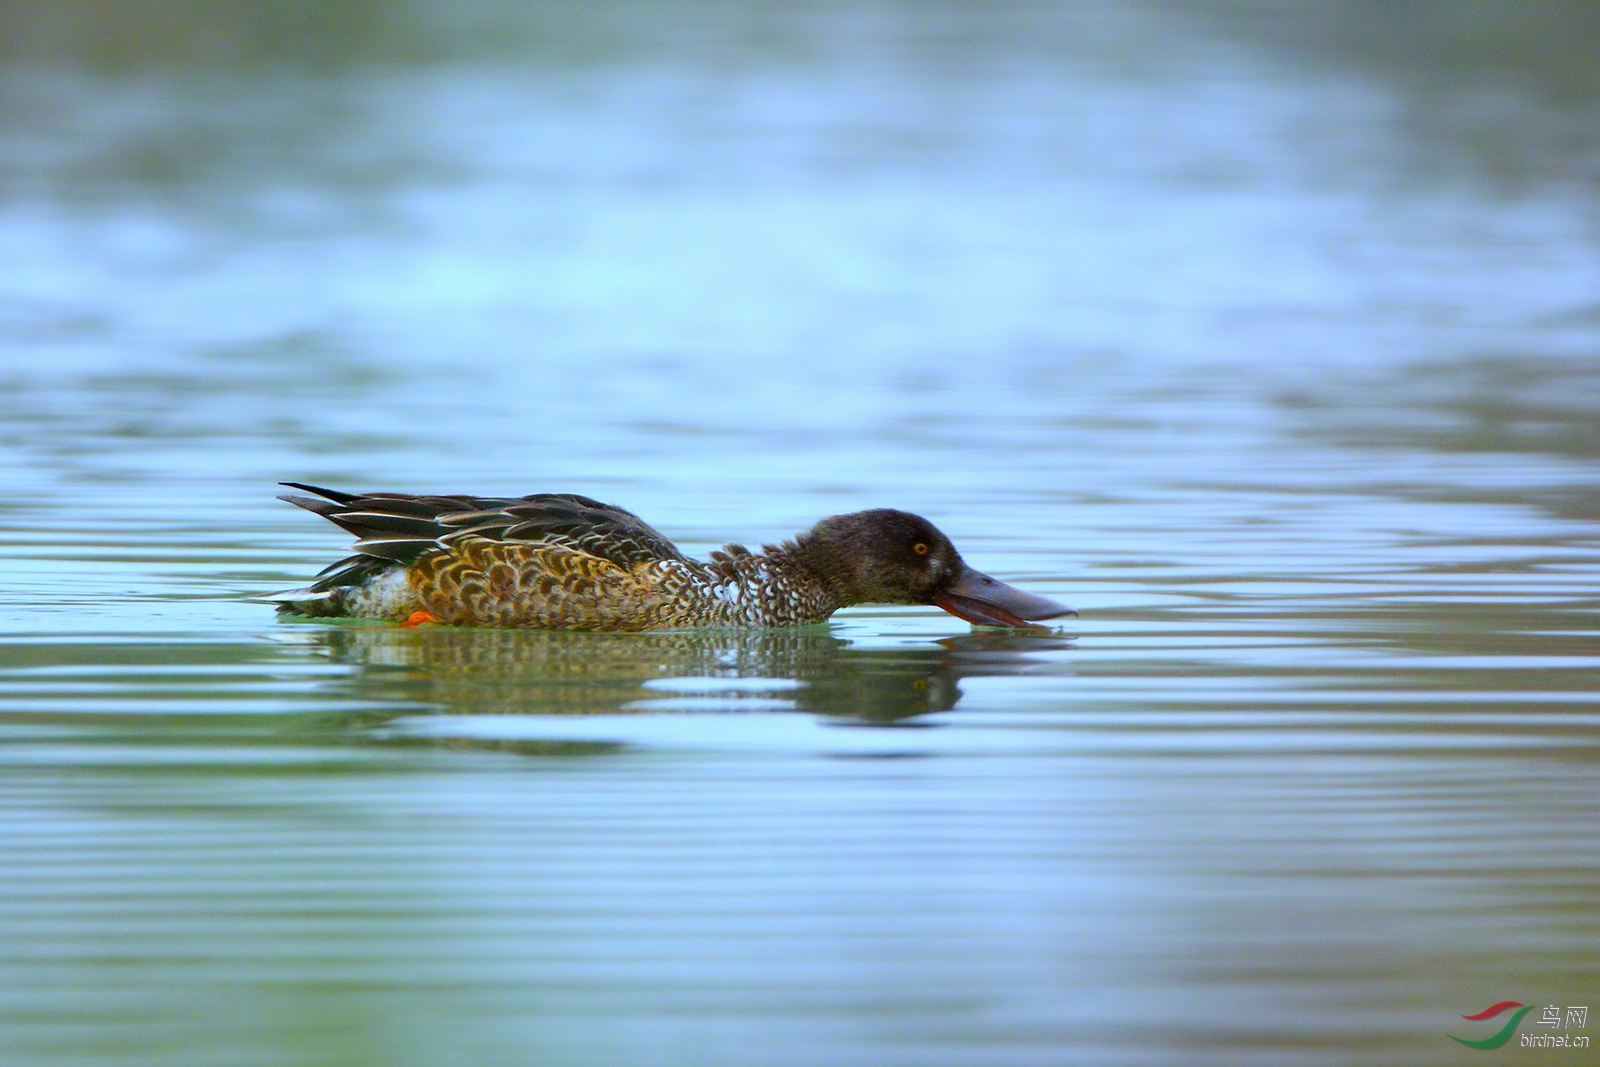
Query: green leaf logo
(1505,1031)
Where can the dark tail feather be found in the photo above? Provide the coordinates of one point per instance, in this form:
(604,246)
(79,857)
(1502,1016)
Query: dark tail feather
(332,494)
(328,596)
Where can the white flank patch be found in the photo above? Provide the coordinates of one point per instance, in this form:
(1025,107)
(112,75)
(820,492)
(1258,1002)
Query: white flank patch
(387,596)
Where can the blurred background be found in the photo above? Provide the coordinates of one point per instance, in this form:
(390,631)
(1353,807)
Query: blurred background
(1266,334)
(613,219)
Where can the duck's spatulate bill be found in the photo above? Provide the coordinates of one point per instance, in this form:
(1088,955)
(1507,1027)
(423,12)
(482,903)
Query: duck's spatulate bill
(985,601)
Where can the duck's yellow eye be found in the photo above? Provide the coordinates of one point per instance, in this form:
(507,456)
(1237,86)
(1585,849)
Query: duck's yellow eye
(920,549)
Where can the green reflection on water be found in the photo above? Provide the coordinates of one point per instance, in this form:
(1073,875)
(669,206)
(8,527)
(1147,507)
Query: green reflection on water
(477,671)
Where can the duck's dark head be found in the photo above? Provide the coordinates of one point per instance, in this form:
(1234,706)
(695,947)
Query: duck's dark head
(885,556)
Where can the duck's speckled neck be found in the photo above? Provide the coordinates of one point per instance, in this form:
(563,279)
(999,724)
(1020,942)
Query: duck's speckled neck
(773,588)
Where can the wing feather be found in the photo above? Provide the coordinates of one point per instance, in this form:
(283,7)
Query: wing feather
(403,527)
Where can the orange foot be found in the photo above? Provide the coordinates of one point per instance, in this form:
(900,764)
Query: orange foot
(417,618)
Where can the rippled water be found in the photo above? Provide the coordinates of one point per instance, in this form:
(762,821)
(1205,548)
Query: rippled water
(1300,413)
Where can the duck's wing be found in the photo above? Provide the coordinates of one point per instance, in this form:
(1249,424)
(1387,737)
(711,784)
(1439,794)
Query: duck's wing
(402,527)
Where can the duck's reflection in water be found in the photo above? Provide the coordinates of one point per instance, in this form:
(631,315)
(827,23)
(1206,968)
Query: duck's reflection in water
(541,672)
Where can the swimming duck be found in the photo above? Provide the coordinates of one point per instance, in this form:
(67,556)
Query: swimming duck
(559,561)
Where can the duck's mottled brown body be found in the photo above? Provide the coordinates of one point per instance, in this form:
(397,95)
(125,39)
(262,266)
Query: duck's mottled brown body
(566,562)
(553,587)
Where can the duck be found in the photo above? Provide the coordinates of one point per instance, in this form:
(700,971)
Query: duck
(561,561)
